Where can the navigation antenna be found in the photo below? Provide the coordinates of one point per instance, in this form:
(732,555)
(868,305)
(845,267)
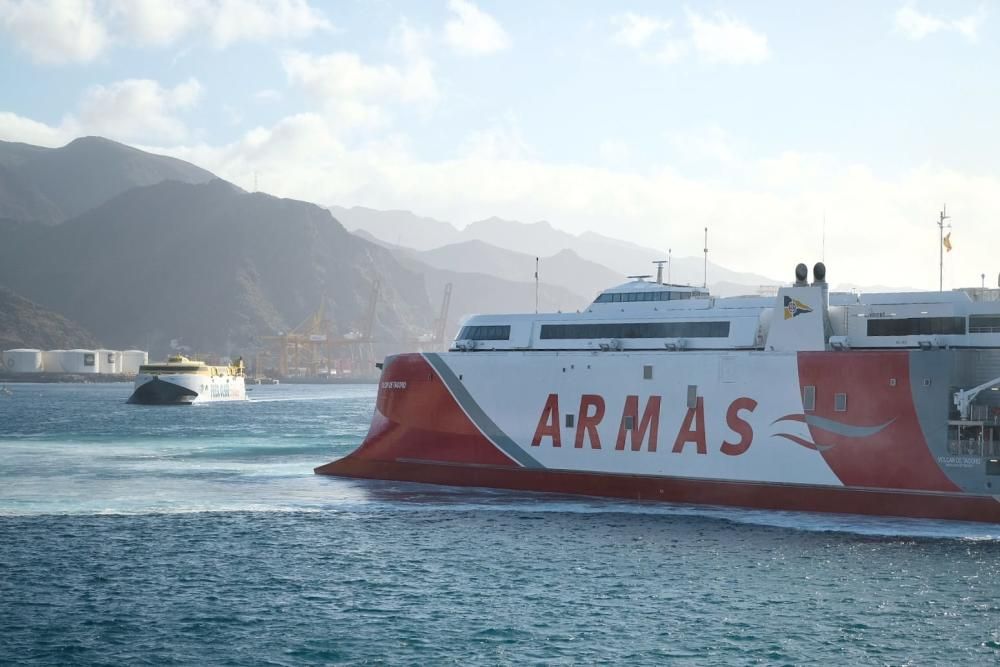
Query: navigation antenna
(536,286)
(705,284)
(659,270)
(941,218)
(669,263)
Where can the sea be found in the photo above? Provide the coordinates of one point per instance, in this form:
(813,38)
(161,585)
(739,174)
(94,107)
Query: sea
(139,535)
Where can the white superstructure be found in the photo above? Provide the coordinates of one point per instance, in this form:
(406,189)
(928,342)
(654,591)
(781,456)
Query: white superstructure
(868,403)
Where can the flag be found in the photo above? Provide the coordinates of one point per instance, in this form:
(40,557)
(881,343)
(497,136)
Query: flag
(947,241)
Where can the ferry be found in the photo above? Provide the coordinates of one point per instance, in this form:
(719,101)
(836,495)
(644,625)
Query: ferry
(183,381)
(882,404)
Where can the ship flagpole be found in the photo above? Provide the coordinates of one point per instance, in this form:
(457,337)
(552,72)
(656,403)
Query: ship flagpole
(705,279)
(941,218)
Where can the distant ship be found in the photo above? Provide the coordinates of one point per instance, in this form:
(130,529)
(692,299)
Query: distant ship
(182,381)
(883,404)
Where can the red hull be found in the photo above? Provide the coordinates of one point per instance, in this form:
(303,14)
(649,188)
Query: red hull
(426,430)
(840,500)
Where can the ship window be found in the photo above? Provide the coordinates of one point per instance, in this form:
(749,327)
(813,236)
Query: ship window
(809,398)
(984,324)
(629,297)
(569,421)
(647,372)
(493,332)
(692,402)
(840,402)
(917,326)
(629,425)
(88,360)
(636,330)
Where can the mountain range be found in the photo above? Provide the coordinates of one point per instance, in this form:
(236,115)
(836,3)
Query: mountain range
(52,185)
(208,266)
(101,243)
(24,323)
(610,260)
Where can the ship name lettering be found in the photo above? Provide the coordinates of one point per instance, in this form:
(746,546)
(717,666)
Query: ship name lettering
(639,426)
(394,384)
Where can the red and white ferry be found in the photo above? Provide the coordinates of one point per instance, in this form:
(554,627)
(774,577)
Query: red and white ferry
(882,404)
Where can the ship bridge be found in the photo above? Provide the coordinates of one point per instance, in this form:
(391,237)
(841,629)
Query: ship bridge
(641,291)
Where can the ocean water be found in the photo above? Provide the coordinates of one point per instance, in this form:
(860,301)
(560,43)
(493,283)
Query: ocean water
(199,535)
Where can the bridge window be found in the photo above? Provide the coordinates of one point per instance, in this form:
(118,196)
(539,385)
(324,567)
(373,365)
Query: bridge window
(629,297)
(840,402)
(636,330)
(652,295)
(491,332)
(917,326)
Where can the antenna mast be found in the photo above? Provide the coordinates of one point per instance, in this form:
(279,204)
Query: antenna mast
(669,264)
(536,286)
(705,284)
(659,270)
(941,218)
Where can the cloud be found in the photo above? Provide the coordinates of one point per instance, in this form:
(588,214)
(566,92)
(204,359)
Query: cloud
(635,30)
(501,141)
(134,110)
(78,31)
(26,130)
(156,22)
(774,205)
(357,93)
(723,39)
(233,21)
(54,33)
(138,109)
(710,143)
(715,39)
(915,25)
(472,31)
(614,151)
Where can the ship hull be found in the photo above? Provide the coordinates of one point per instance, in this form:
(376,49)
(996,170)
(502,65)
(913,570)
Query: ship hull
(714,429)
(751,495)
(186,389)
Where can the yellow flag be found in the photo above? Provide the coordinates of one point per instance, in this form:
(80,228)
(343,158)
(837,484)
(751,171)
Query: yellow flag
(947,241)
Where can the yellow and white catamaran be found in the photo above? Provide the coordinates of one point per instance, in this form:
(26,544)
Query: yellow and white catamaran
(182,381)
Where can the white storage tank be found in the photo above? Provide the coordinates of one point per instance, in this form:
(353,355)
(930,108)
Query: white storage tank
(108,361)
(22,360)
(52,361)
(131,360)
(79,361)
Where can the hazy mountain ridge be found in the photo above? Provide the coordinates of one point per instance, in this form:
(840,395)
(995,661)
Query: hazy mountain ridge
(615,256)
(24,323)
(52,185)
(482,291)
(210,265)
(400,228)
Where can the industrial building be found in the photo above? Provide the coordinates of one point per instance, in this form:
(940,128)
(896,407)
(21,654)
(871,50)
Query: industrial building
(73,362)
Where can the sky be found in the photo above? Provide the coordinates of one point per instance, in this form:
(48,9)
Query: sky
(793,131)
